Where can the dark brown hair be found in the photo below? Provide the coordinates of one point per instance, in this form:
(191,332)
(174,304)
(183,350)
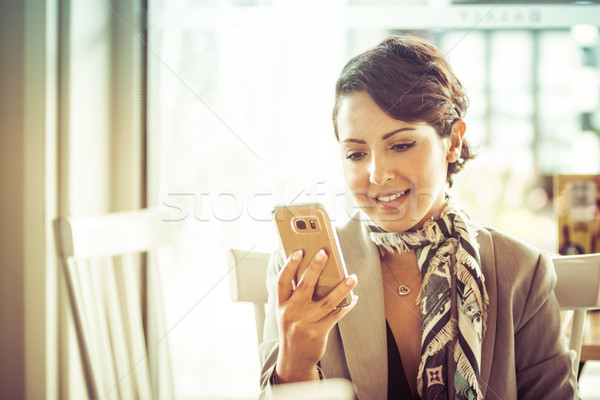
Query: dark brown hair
(410,80)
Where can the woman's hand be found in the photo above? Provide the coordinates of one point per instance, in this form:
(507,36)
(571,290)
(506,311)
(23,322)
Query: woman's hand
(304,324)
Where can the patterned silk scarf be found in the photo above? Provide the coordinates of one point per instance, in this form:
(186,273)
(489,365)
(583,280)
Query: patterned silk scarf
(446,248)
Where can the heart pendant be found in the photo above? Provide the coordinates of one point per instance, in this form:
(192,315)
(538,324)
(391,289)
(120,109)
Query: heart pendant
(403,290)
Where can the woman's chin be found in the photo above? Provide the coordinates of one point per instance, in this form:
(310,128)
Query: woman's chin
(391,222)
(395,220)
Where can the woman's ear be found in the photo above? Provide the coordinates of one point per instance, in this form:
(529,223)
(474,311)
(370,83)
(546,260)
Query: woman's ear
(456,137)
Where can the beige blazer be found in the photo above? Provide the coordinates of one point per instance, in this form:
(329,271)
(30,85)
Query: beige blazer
(523,354)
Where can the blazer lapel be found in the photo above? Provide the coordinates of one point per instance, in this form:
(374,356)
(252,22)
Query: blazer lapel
(362,331)
(488,265)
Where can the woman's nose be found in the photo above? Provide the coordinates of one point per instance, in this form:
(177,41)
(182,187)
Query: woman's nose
(379,173)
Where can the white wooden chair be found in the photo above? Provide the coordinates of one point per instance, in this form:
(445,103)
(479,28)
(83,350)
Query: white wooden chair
(247,282)
(101,260)
(578,289)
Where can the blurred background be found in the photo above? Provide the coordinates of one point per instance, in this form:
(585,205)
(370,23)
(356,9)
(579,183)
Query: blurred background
(241,94)
(219,109)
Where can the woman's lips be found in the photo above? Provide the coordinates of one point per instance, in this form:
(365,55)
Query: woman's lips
(392,200)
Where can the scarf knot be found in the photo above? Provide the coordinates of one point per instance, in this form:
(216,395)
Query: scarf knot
(447,251)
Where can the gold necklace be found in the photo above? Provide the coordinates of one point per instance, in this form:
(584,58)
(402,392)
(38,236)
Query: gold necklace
(403,289)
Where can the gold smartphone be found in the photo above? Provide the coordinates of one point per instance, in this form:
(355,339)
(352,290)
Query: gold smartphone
(307,227)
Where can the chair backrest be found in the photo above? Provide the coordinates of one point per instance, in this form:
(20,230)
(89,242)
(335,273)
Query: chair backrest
(577,289)
(102,264)
(247,282)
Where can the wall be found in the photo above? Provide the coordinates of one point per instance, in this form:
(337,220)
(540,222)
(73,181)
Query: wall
(12,346)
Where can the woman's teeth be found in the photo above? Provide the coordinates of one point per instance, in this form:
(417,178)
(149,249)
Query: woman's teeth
(392,197)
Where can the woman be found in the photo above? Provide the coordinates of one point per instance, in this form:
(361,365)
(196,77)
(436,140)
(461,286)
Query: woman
(447,309)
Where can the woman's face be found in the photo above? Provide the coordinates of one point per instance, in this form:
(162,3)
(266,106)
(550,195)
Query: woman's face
(396,170)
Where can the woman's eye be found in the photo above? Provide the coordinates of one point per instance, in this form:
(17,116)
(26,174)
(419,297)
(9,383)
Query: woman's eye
(403,146)
(355,156)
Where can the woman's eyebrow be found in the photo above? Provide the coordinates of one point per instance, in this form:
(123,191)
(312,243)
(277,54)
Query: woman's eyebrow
(392,133)
(384,137)
(360,141)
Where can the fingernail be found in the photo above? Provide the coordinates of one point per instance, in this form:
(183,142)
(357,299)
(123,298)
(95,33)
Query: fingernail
(320,255)
(297,255)
(351,280)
